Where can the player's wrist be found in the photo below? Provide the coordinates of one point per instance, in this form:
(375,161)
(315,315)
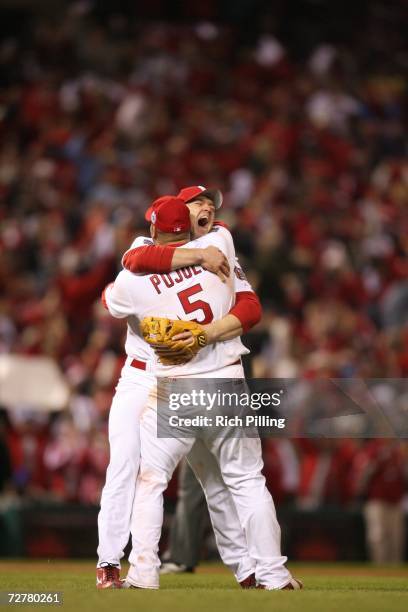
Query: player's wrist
(211,332)
(200,256)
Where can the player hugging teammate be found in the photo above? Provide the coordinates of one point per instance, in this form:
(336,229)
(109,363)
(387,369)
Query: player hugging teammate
(191,321)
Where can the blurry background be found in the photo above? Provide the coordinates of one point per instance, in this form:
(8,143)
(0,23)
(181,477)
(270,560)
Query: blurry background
(297,111)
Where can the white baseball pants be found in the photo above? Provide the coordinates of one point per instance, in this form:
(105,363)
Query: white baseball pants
(240,461)
(134,393)
(114,519)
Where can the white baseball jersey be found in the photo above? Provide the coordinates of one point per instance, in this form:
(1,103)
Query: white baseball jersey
(189,293)
(240,281)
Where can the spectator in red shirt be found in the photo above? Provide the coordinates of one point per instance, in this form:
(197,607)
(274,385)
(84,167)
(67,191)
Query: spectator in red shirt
(324,472)
(380,478)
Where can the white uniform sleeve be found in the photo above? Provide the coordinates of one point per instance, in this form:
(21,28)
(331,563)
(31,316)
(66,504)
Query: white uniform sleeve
(240,280)
(221,237)
(118,298)
(140,241)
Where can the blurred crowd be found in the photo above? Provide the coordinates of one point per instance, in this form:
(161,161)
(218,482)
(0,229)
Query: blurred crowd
(99,117)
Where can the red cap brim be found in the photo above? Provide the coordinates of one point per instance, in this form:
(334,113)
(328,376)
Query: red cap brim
(189,194)
(148,214)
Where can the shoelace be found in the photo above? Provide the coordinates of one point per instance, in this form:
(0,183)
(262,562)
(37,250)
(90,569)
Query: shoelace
(110,572)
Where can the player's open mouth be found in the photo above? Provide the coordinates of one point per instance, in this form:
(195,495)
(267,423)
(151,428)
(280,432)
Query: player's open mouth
(203,221)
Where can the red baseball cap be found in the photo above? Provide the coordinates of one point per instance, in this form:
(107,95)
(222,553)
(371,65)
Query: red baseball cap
(169,214)
(191,193)
(154,205)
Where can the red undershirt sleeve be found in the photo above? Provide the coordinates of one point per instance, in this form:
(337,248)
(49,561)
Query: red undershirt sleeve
(149,259)
(247,309)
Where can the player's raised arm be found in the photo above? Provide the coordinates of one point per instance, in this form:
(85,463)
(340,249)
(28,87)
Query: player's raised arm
(150,258)
(144,257)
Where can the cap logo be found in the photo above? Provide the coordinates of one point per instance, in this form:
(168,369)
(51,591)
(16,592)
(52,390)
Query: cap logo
(153,217)
(201,187)
(177,228)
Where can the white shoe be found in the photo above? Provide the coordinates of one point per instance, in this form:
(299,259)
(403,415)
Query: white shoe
(136,579)
(293,585)
(174,568)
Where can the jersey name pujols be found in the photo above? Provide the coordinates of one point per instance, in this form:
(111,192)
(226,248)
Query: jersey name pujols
(167,281)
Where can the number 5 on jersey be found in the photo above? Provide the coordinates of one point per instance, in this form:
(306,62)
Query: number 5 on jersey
(190,306)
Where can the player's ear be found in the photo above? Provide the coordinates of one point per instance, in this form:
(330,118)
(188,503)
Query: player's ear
(153,232)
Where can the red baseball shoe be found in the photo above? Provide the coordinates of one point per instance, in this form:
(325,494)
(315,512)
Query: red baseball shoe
(249,582)
(108,577)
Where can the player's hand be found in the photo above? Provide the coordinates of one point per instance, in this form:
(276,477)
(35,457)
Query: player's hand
(161,333)
(184,341)
(215,261)
(186,338)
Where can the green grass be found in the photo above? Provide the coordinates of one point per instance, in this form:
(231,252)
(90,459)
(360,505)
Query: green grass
(328,587)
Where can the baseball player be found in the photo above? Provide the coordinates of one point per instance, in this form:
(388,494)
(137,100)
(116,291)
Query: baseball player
(240,460)
(143,257)
(137,380)
(114,524)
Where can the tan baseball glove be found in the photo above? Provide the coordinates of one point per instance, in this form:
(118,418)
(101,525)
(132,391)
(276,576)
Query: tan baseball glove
(159,333)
